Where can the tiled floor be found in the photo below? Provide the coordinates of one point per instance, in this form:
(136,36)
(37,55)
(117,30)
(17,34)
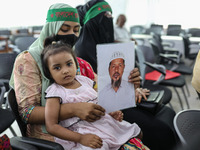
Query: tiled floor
(194,103)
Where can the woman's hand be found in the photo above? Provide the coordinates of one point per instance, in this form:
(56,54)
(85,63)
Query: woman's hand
(141,93)
(135,77)
(117,115)
(89,112)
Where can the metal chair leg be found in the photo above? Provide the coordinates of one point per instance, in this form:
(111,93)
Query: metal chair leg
(186,86)
(179,98)
(171,106)
(12,130)
(186,100)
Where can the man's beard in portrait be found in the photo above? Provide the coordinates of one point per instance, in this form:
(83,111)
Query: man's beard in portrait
(116,84)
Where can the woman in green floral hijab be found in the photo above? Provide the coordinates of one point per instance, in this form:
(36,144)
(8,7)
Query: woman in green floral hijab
(29,81)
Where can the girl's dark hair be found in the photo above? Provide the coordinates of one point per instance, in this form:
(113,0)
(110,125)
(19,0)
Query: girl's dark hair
(52,47)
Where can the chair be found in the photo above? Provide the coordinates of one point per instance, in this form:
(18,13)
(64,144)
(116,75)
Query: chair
(174,82)
(170,57)
(187,125)
(194,32)
(36,29)
(5,32)
(39,143)
(24,42)
(174,30)
(6,64)
(137,29)
(188,47)
(23,31)
(6,115)
(15,36)
(145,84)
(155,28)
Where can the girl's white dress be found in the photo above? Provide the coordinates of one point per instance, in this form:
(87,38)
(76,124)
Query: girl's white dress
(112,132)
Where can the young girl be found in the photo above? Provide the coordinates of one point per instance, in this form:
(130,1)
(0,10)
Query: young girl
(108,133)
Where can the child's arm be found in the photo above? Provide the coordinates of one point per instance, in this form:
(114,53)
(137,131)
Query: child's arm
(52,110)
(117,115)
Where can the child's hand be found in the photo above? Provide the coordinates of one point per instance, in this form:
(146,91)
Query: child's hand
(139,93)
(117,115)
(91,140)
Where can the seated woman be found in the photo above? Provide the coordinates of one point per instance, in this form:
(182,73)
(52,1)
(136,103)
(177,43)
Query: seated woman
(30,83)
(110,132)
(97,28)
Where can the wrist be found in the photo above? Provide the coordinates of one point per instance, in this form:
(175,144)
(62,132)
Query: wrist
(76,110)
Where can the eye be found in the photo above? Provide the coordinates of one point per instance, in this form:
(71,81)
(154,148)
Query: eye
(69,64)
(57,68)
(113,67)
(76,29)
(65,28)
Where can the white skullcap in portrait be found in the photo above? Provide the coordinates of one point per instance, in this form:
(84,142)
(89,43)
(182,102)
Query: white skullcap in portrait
(116,55)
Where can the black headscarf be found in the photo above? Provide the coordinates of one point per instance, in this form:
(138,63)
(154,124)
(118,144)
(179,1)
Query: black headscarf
(97,30)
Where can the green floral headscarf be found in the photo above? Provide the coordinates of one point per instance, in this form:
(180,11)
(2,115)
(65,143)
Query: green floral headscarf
(56,16)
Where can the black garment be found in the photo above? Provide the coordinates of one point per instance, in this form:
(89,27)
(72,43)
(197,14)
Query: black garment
(98,30)
(158,130)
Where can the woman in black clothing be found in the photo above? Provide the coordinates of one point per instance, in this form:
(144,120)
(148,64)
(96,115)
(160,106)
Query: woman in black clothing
(97,28)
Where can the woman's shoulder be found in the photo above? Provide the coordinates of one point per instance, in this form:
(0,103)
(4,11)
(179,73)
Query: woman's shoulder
(25,57)
(25,62)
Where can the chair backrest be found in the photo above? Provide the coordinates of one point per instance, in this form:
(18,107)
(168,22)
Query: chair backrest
(6,64)
(137,29)
(5,32)
(156,50)
(187,124)
(23,31)
(36,29)
(155,28)
(195,32)
(2,93)
(15,36)
(148,56)
(141,60)
(14,107)
(24,42)
(186,43)
(174,29)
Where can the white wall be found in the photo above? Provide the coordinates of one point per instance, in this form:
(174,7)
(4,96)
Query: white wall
(20,13)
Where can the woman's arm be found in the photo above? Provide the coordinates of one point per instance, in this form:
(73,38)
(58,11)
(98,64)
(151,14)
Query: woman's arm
(85,111)
(27,84)
(27,80)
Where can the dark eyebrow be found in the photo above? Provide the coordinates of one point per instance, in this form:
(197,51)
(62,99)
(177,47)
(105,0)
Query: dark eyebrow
(55,65)
(70,60)
(70,26)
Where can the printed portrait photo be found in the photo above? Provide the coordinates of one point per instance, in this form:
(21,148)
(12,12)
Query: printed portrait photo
(114,64)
